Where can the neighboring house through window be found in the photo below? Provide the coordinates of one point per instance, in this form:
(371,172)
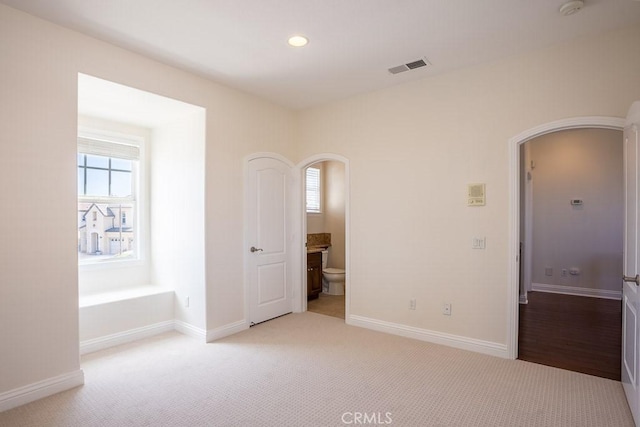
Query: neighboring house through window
(107,199)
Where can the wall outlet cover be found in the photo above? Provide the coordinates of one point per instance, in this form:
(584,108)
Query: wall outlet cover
(446,309)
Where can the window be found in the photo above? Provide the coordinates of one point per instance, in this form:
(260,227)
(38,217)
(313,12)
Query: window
(104,176)
(313,190)
(107,202)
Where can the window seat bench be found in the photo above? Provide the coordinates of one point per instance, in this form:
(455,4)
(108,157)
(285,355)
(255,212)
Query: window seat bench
(114,318)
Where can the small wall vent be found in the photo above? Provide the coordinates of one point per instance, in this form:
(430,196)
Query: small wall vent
(423,62)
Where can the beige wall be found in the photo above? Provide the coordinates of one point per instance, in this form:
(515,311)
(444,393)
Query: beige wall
(414,148)
(315,223)
(578,164)
(38,86)
(332,218)
(334,202)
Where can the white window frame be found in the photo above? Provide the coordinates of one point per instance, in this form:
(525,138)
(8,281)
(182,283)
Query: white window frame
(314,188)
(114,144)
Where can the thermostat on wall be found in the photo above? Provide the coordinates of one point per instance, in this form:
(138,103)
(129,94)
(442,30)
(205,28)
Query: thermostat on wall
(576,202)
(476,195)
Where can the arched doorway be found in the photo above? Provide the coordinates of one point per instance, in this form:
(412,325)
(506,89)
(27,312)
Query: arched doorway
(513,291)
(302,167)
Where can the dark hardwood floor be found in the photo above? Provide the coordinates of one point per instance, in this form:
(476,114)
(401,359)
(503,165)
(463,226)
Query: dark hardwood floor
(579,334)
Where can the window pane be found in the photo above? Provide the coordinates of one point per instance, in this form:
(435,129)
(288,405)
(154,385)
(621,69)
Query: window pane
(313,190)
(120,184)
(106,225)
(106,238)
(80,181)
(97,182)
(121,164)
(97,161)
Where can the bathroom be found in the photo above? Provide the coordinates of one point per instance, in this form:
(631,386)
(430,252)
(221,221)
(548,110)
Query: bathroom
(325,183)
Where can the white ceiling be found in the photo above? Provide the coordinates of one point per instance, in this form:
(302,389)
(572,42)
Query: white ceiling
(352,43)
(118,103)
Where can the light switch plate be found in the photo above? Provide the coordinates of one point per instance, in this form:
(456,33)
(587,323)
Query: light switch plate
(479,243)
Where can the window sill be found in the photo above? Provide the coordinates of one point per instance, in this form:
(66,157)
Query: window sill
(121,295)
(111,265)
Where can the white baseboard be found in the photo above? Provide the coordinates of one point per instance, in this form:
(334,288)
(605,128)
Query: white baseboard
(190,330)
(39,390)
(100,343)
(226,330)
(464,343)
(572,290)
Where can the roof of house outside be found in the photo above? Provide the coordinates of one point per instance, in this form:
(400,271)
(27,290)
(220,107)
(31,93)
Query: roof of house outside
(117,230)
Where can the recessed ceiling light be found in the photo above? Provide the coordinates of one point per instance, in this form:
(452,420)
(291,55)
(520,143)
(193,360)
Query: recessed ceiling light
(571,7)
(298,41)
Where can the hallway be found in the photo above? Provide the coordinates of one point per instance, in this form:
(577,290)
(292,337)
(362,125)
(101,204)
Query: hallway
(576,333)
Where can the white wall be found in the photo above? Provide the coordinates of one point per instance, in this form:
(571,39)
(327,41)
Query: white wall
(104,319)
(178,217)
(38,116)
(581,164)
(38,271)
(414,148)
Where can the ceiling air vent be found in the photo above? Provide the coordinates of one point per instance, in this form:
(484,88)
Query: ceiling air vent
(409,66)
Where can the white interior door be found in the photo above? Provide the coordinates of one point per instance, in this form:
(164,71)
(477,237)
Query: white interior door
(630,291)
(269,193)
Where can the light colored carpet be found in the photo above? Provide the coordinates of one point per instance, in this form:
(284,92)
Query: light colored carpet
(310,370)
(329,305)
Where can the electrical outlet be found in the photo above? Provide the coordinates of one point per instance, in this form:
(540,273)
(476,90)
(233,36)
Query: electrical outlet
(412,304)
(186,302)
(446,309)
(564,272)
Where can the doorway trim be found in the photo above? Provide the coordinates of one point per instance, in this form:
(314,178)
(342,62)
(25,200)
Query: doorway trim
(300,304)
(513,291)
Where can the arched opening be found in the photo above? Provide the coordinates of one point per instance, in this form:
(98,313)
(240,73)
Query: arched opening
(326,223)
(515,143)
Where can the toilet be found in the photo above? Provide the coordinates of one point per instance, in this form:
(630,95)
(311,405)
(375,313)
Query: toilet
(332,278)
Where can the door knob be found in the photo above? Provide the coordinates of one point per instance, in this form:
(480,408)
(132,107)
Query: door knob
(254,249)
(635,280)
